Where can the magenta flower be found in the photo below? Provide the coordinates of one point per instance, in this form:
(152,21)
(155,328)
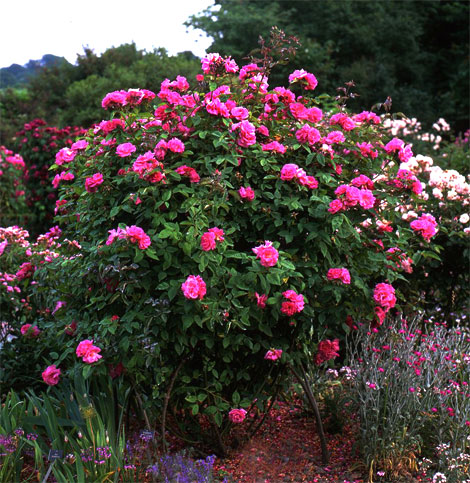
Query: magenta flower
(341,274)
(273,354)
(136,235)
(261,300)
(267,254)
(92,183)
(29,331)
(88,352)
(126,149)
(194,287)
(237,415)
(384,295)
(51,375)
(246,193)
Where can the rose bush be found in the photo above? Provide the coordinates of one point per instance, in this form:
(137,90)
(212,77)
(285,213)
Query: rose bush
(38,144)
(204,231)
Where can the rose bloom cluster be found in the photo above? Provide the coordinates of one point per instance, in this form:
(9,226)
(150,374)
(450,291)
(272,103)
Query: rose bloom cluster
(132,97)
(88,352)
(294,304)
(209,238)
(293,172)
(351,196)
(132,233)
(327,349)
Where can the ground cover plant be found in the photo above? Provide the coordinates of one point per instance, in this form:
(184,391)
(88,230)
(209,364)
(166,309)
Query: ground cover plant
(213,245)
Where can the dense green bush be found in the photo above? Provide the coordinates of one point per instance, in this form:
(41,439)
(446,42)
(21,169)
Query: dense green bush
(230,221)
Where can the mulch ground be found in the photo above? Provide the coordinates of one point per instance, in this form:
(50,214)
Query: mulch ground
(287,448)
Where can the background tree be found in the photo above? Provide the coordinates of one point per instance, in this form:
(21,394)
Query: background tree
(414,51)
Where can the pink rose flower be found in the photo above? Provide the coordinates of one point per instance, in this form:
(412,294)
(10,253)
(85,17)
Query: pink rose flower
(51,375)
(341,274)
(125,149)
(246,193)
(218,232)
(425,225)
(92,183)
(65,155)
(237,415)
(335,206)
(189,172)
(327,349)
(29,331)
(194,287)
(136,235)
(309,80)
(79,145)
(175,145)
(274,146)
(261,300)
(273,354)
(384,295)
(267,254)
(208,241)
(289,171)
(295,303)
(88,352)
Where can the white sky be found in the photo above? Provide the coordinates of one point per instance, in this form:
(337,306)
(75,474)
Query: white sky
(32,28)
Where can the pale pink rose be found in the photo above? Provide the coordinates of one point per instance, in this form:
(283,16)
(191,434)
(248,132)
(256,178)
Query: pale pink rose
(51,375)
(237,415)
(3,246)
(194,287)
